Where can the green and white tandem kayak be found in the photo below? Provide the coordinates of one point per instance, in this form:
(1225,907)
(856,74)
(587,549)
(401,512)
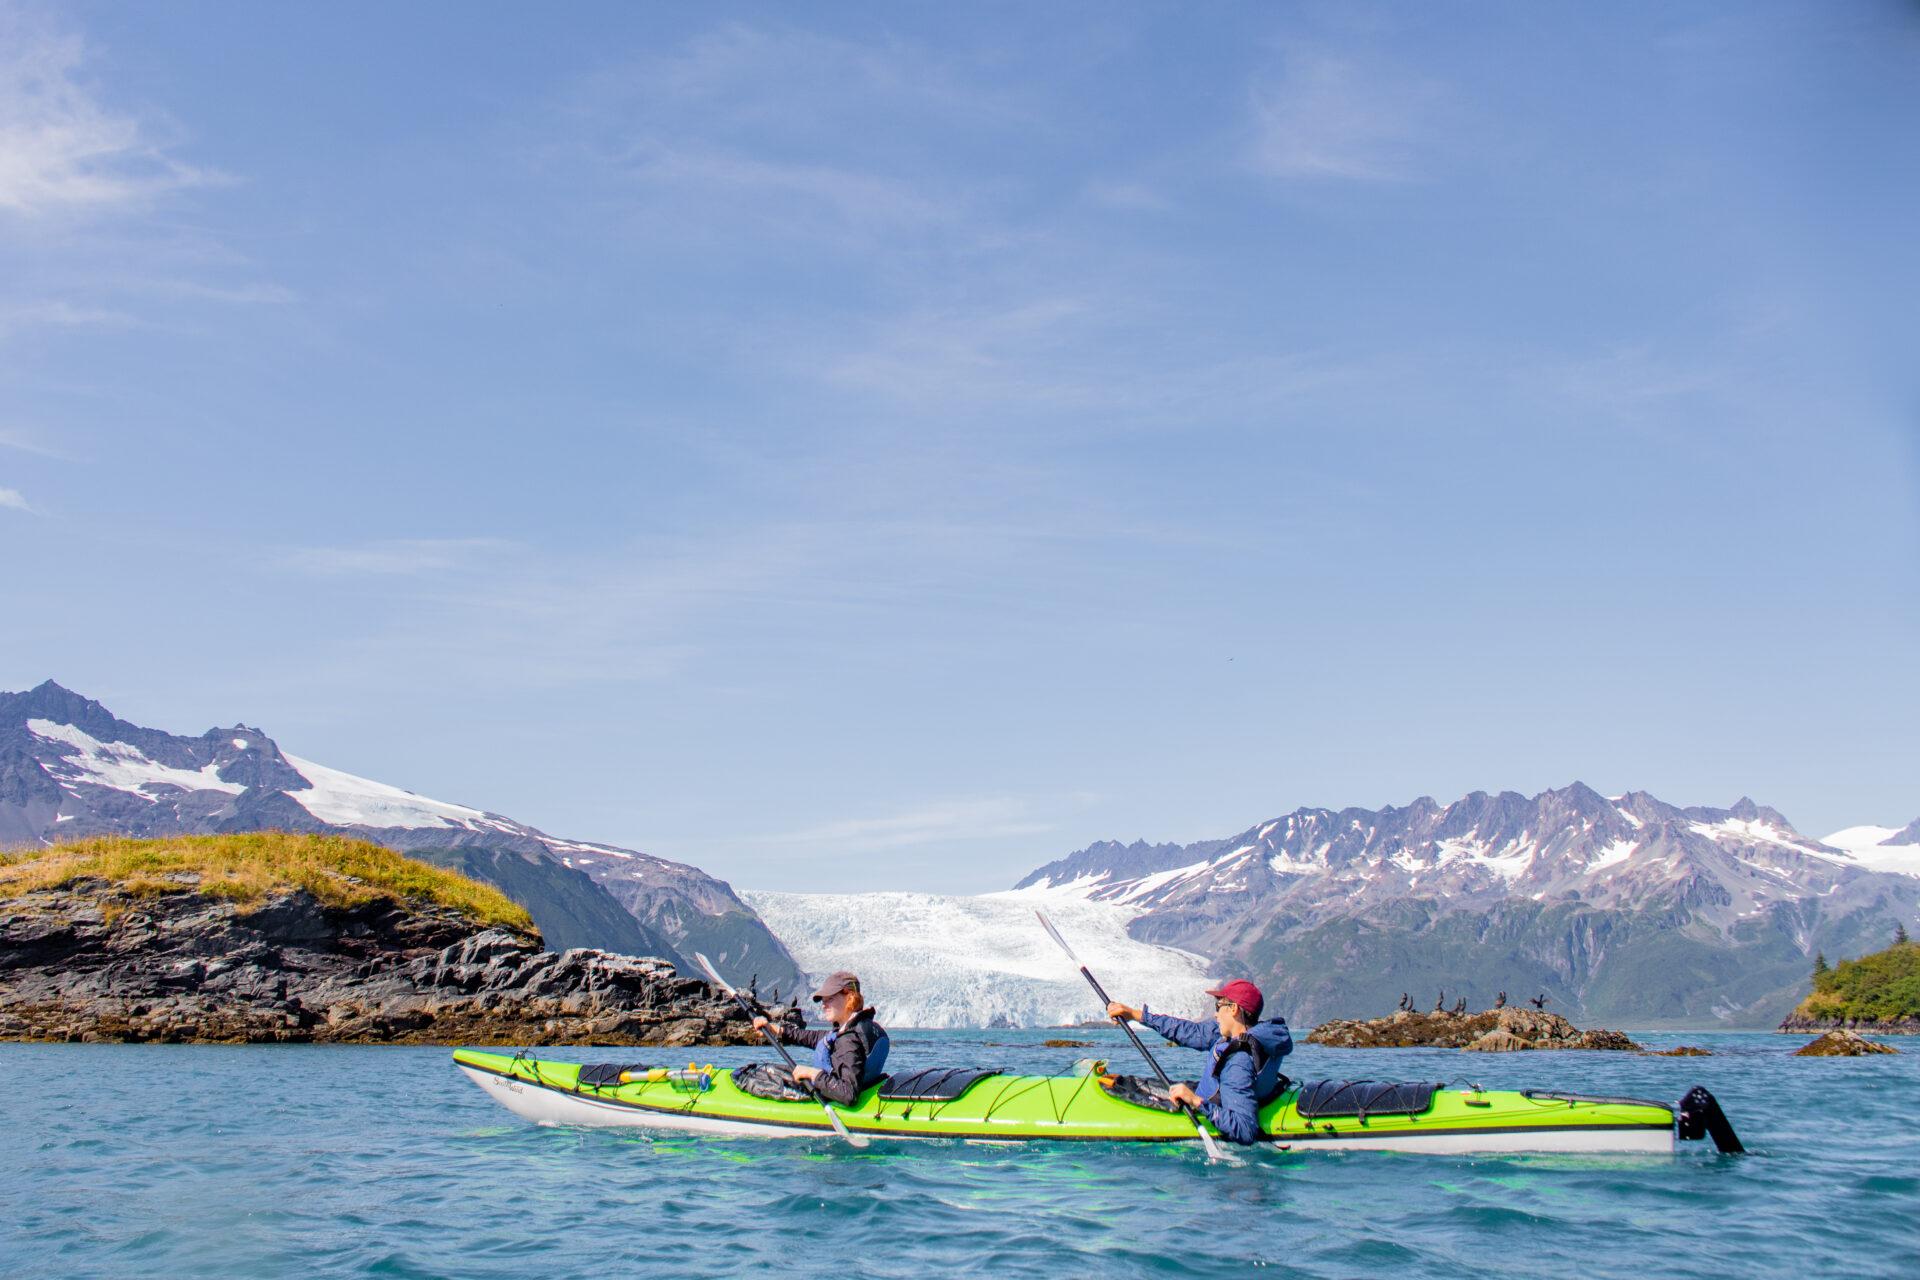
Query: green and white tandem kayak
(992,1106)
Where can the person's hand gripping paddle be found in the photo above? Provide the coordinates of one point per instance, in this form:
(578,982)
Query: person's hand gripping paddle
(753,1011)
(1213,1148)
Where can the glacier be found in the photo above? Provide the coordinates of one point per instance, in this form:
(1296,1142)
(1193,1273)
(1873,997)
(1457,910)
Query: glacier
(949,960)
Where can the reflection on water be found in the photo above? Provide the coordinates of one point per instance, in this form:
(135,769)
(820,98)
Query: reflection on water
(347,1161)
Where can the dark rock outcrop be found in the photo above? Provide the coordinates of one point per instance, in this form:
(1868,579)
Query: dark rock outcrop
(90,962)
(1490,1031)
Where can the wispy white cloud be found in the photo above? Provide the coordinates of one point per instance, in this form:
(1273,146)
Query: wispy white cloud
(59,314)
(792,192)
(785,134)
(1127,195)
(1127,359)
(943,820)
(62,149)
(404,557)
(13,500)
(1328,117)
(240,294)
(29,442)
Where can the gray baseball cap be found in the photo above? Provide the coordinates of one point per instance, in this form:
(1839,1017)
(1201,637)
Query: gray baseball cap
(836,983)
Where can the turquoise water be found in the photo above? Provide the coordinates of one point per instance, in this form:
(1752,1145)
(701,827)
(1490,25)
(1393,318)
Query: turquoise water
(324,1161)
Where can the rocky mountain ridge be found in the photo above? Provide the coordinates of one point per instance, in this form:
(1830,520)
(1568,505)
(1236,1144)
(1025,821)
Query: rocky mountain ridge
(69,768)
(1623,908)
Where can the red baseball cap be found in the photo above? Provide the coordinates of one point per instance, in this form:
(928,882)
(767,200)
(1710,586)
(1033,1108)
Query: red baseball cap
(1244,994)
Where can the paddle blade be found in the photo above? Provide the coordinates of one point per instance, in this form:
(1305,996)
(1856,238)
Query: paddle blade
(1055,935)
(1213,1148)
(840,1127)
(714,974)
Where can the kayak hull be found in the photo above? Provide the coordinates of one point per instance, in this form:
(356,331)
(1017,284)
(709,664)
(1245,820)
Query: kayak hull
(1011,1108)
(544,1105)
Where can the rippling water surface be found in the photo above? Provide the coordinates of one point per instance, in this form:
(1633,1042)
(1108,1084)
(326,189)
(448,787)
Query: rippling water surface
(368,1161)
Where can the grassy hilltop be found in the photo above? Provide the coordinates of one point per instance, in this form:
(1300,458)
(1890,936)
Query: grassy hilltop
(1882,987)
(246,868)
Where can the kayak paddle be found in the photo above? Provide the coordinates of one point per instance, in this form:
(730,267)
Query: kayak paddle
(1206,1139)
(839,1126)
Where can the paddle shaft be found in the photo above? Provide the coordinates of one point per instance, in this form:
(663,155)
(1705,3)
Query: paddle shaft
(754,1011)
(1193,1114)
(1131,1034)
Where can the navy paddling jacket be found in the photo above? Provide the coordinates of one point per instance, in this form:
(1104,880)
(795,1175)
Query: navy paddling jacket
(1230,1092)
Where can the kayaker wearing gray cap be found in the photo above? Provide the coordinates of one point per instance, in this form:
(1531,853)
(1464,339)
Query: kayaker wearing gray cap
(851,1055)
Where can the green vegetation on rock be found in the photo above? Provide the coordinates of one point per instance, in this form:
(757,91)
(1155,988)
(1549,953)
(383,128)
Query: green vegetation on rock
(1882,987)
(247,867)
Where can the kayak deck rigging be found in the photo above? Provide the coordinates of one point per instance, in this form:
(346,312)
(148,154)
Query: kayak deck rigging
(988,1104)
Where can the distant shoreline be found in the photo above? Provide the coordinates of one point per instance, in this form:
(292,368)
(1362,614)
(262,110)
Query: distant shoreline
(1865,1027)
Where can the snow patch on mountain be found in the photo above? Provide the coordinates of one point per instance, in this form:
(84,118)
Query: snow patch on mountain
(1869,847)
(348,800)
(1160,879)
(939,960)
(120,765)
(1750,830)
(1617,852)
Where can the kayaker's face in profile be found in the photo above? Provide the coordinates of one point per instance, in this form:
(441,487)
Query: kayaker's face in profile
(1232,1020)
(840,1006)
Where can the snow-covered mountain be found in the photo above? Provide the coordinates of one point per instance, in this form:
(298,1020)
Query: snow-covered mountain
(69,769)
(936,960)
(1621,908)
(1880,848)
(1559,844)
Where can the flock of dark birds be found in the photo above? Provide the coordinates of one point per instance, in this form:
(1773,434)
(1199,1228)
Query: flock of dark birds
(1539,1002)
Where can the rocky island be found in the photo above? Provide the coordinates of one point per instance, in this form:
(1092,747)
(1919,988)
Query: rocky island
(1499,1030)
(1842,1044)
(1878,994)
(270,937)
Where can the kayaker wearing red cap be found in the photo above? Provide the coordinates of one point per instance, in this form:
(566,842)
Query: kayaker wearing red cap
(849,1056)
(1243,1056)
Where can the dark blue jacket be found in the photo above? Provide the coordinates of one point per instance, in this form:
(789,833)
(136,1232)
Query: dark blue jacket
(1230,1093)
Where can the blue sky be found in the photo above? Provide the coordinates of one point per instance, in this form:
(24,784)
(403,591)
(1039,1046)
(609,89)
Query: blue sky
(894,446)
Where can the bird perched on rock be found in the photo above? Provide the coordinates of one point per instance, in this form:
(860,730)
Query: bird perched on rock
(1501,1001)
(1540,1001)
(1441,1002)
(1460,1005)
(1406,1001)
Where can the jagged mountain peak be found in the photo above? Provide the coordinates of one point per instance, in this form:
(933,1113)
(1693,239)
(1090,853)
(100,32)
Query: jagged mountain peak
(1563,841)
(52,701)
(1624,903)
